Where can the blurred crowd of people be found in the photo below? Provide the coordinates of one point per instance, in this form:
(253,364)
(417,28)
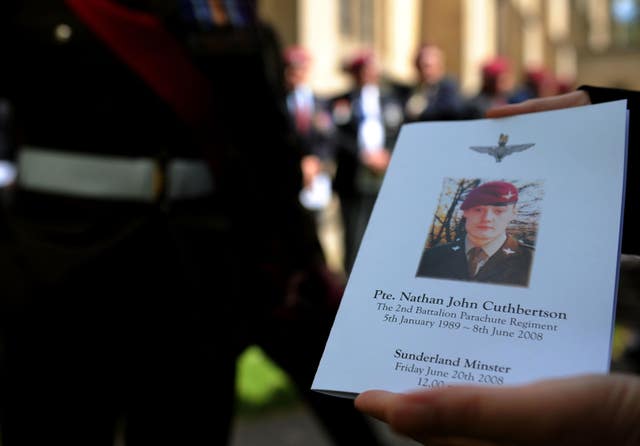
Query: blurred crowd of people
(348,137)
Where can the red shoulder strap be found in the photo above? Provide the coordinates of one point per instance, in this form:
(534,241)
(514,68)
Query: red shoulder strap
(141,41)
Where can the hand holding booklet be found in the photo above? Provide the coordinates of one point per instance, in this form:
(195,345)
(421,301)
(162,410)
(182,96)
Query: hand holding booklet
(491,256)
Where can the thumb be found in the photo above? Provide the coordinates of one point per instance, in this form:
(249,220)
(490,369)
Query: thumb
(571,411)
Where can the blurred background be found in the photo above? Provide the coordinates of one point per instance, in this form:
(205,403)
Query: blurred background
(577,41)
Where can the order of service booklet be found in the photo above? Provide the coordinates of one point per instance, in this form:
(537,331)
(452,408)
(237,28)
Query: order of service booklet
(491,256)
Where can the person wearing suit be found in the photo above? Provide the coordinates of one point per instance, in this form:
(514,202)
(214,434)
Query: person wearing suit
(367,121)
(436,95)
(488,253)
(312,122)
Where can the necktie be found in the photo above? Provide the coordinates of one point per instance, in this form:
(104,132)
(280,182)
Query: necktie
(302,115)
(476,258)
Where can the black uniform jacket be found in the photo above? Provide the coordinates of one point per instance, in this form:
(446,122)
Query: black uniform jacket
(71,93)
(510,265)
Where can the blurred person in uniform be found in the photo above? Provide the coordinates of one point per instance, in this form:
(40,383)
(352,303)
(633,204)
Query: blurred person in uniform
(538,83)
(487,252)
(367,120)
(496,88)
(309,114)
(436,95)
(131,234)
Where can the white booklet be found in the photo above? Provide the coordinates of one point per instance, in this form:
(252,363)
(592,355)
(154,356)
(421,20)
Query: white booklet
(491,256)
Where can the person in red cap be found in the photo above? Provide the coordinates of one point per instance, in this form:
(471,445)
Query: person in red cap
(367,120)
(538,83)
(486,253)
(496,88)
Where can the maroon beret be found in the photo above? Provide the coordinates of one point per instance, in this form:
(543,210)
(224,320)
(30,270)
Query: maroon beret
(493,193)
(495,67)
(357,61)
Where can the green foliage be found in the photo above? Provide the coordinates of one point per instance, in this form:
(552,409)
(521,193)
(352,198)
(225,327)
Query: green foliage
(261,385)
(621,337)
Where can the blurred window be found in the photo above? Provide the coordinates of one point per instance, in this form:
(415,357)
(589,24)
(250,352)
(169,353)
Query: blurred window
(366,20)
(625,17)
(346,18)
(357,20)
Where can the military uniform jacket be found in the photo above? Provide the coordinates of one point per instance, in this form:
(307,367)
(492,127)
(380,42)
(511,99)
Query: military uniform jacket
(348,115)
(510,265)
(71,93)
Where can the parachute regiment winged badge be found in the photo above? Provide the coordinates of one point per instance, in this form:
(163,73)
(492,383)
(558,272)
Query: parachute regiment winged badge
(502,149)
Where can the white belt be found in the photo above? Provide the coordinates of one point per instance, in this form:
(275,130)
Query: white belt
(111,177)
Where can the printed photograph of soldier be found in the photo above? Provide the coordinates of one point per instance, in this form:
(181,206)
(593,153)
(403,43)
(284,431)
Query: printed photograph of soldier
(483,231)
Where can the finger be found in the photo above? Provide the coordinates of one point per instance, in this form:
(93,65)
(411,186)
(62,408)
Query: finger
(528,106)
(509,110)
(573,99)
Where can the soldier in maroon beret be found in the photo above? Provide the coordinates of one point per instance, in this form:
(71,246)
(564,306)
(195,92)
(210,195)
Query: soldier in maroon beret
(496,88)
(486,253)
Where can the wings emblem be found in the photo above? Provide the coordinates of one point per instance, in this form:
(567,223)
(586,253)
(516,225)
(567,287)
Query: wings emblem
(502,149)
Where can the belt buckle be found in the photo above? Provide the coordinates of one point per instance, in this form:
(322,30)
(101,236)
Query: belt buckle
(159,181)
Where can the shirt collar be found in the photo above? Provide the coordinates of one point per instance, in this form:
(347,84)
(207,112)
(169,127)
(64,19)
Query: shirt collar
(490,248)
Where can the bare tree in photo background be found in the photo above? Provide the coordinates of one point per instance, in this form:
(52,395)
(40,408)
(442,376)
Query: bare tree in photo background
(448,221)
